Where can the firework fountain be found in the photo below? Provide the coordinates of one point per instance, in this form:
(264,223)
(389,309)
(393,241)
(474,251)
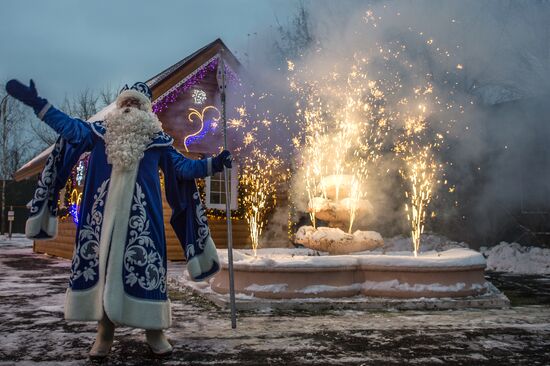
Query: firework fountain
(346,125)
(344,122)
(420,170)
(262,169)
(259,181)
(355,120)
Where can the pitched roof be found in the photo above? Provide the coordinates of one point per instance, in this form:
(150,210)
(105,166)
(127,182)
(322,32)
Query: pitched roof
(159,84)
(163,81)
(152,82)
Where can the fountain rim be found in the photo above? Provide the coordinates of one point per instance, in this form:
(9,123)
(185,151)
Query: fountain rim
(368,262)
(248,268)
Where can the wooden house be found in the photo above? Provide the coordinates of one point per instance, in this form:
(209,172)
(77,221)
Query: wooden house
(187,100)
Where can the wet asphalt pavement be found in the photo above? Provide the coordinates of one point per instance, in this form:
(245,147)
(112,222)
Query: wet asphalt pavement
(32,329)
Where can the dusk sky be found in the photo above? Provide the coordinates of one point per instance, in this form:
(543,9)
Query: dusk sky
(69,45)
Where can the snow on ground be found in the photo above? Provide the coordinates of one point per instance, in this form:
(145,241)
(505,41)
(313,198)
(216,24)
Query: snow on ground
(32,329)
(504,257)
(17,240)
(515,258)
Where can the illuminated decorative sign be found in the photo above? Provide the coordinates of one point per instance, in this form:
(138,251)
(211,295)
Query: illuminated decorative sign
(199,96)
(194,113)
(80,173)
(74,204)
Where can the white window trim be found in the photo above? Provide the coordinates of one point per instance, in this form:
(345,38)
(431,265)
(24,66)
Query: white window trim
(234,191)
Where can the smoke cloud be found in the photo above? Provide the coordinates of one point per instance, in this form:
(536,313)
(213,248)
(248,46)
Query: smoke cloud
(489,65)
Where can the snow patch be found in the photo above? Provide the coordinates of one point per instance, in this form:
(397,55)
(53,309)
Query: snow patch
(17,240)
(274,288)
(395,285)
(515,258)
(428,242)
(317,289)
(293,258)
(52,308)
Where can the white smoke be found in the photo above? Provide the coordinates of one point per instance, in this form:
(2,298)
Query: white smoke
(492,58)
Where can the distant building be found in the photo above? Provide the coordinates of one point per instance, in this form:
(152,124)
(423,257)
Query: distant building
(18,194)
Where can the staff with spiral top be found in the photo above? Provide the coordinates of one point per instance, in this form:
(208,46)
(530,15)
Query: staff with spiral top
(220,76)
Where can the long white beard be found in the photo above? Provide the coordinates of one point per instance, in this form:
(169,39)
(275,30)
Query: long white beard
(128,132)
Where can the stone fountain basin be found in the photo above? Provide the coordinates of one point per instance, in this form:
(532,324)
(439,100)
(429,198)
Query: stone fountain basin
(296,273)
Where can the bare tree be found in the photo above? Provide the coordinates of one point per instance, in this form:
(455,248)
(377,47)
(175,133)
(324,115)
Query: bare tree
(44,134)
(15,140)
(22,135)
(16,145)
(295,37)
(107,95)
(84,105)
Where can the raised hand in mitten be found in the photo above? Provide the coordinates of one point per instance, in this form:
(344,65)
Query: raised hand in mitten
(223,159)
(26,94)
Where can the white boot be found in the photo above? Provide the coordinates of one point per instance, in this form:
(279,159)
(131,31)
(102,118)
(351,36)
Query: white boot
(157,342)
(104,338)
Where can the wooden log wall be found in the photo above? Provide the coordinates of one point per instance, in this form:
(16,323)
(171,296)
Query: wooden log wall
(218,231)
(63,245)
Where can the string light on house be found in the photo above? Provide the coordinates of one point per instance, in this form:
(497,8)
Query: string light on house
(170,96)
(80,172)
(74,204)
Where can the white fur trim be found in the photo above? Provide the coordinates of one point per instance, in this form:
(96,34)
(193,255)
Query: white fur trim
(42,221)
(144,101)
(108,295)
(139,313)
(204,261)
(94,127)
(85,305)
(208,167)
(43,111)
(120,307)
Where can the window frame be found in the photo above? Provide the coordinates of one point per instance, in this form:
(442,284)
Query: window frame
(233,187)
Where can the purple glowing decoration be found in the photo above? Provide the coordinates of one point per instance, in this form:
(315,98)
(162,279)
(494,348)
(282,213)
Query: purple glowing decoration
(78,175)
(162,102)
(73,211)
(208,127)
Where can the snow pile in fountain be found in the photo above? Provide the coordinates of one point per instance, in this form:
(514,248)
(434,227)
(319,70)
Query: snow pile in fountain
(429,242)
(338,212)
(515,258)
(339,206)
(336,241)
(300,258)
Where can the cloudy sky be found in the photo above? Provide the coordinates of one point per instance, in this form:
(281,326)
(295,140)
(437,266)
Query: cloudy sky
(69,45)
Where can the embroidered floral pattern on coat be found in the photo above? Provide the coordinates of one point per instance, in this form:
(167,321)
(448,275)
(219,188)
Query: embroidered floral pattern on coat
(202,222)
(45,182)
(88,240)
(142,262)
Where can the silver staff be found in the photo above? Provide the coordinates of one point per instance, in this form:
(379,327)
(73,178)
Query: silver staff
(220,76)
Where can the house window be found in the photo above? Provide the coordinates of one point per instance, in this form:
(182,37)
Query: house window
(215,190)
